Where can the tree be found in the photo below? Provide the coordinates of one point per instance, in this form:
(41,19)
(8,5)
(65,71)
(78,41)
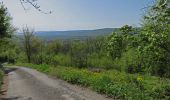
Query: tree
(37,50)
(54,47)
(6,30)
(78,53)
(115,45)
(155,39)
(126,30)
(119,41)
(28,37)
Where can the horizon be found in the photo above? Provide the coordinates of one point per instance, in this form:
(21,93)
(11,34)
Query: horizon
(77,14)
(20,32)
(75,30)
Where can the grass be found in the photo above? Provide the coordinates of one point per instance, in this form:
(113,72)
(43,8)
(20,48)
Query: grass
(113,83)
(1,77)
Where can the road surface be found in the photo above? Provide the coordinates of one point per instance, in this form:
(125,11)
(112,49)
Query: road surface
(29,84)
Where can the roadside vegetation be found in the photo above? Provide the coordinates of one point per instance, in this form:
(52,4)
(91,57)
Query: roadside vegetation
(1,77)
(6,30)
(131,63)
(112,83)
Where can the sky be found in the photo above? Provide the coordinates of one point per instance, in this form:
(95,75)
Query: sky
(77,14)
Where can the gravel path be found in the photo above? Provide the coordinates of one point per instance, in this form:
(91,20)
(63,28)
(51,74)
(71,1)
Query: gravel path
(29,84)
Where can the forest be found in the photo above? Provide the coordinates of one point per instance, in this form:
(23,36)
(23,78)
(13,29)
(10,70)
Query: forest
(129,63)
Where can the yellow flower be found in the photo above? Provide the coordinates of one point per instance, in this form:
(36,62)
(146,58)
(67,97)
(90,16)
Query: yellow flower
(139,78)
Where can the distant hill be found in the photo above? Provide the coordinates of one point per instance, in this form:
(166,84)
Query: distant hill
(76,34)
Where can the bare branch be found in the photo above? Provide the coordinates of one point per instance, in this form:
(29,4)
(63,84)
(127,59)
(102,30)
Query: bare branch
(34,4)
(22,5)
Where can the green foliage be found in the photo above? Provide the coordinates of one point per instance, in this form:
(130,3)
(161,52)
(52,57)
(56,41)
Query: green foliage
(28,35)
(155,52)
(155,39)
(5,25)
(1,76)
(120,41)
(6,31)
(97,61)
(129,62)
(149,50)
(61,59)
(54,47)
(115,45)
(96,45)
(8,52)
(126,30)
(122,47)
(78,54)
(22,58)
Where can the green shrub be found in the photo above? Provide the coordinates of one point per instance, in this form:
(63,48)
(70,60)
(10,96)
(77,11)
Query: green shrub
(21,58)
(99,83)
(129,62)
(61,59)
(97,61)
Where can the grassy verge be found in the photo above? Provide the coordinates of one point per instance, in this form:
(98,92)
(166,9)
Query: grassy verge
(1,77)
(112,83)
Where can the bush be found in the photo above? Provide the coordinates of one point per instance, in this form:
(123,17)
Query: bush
(61,59)
(21,58)
(96,61)
(129,62)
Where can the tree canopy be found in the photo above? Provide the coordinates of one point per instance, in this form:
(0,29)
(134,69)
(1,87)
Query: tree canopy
(6,30)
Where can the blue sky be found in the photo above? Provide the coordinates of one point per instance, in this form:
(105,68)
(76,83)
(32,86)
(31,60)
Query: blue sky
(78,14)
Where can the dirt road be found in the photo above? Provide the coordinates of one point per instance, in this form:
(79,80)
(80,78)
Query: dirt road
(29,84)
